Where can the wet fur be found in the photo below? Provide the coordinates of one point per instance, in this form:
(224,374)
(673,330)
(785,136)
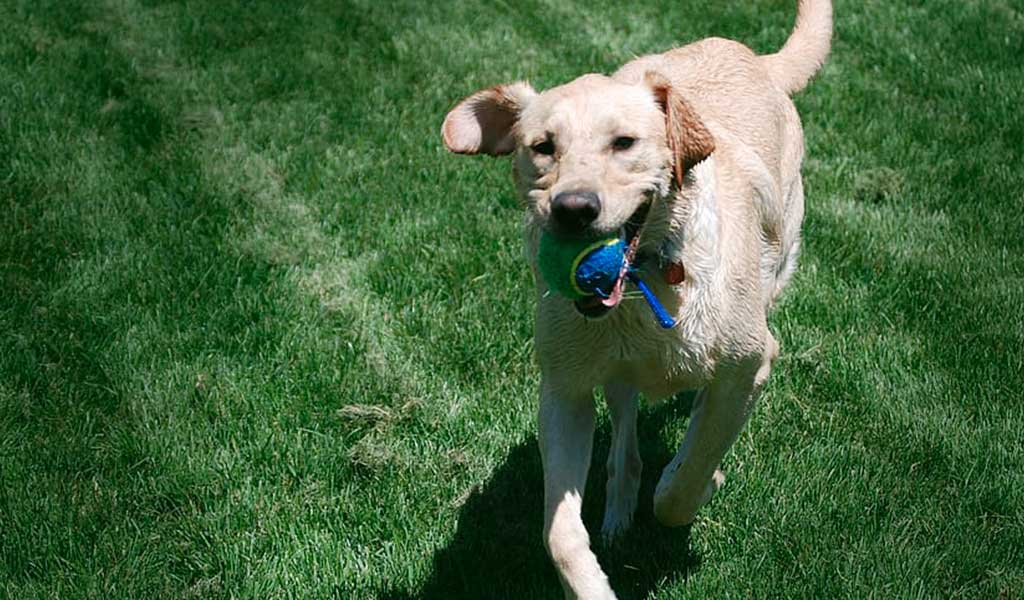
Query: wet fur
(718,153)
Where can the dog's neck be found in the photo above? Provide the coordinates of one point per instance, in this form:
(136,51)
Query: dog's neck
(684,222)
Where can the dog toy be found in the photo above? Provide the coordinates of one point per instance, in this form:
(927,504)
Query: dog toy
(579,269)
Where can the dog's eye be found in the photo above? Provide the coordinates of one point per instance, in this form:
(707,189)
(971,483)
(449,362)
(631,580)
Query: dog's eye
(547,148)
(623,142)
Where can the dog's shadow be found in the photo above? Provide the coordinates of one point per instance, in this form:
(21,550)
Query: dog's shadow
(497,551)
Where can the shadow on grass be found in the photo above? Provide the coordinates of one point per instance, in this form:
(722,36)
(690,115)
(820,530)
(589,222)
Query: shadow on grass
(497,551)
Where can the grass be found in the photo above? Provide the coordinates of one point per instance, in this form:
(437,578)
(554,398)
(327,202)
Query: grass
(260,336)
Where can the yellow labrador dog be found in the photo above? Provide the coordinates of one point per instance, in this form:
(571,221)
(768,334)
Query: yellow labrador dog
(693,157)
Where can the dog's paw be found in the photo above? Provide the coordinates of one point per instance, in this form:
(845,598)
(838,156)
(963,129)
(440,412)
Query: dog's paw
(617,521)
(674,509)
(619,508)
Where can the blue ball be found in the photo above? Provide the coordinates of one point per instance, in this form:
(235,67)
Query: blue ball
(598,268)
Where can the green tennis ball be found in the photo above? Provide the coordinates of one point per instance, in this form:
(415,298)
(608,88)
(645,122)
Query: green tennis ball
(580,268)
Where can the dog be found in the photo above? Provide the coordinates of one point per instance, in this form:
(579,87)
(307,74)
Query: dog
(693,157)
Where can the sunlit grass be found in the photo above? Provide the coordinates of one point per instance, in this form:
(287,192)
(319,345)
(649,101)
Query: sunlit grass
(261,336)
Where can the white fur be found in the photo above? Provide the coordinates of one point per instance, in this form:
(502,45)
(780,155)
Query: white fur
(732,220)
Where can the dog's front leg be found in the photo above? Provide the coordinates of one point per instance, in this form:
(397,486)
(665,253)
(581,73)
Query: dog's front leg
(566,420)
(718,414)
(624,464)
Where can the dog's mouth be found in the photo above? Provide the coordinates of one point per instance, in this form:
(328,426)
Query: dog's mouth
(594,307)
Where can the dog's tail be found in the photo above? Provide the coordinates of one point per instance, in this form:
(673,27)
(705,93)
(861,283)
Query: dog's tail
(805,50)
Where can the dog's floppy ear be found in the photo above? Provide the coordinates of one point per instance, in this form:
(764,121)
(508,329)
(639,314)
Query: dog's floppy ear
(688,138)
(485,122)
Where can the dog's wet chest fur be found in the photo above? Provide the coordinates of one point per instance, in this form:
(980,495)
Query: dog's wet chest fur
(629,346)
(660,363)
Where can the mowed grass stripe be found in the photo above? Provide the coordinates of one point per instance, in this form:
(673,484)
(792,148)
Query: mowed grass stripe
(128,477)
(259,187)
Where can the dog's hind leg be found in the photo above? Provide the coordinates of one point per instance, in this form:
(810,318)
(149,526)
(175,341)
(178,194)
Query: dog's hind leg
(719,413)
(624,464)
(566,421)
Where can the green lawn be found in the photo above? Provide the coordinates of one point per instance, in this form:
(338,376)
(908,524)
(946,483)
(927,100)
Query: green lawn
(261,336)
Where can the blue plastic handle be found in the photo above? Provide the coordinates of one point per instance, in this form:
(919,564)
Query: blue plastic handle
(664,319)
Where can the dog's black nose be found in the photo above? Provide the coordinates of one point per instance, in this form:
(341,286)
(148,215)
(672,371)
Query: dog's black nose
(573,211)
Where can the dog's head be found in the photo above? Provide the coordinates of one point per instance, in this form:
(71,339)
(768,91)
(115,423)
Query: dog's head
(590,154)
